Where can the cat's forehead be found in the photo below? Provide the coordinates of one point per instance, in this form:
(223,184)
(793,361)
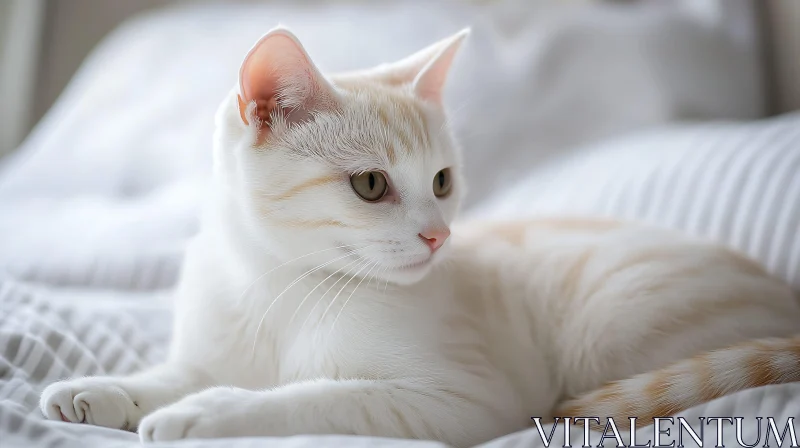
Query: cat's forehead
(376,127)
(405,119)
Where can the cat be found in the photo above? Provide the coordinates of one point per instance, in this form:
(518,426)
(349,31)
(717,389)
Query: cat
(331,291)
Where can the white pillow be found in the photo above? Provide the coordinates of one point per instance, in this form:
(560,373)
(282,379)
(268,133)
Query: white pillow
(735,183)
(532,80)
(103,192)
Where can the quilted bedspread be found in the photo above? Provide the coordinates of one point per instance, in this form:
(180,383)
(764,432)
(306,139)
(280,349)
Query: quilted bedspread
(49,334)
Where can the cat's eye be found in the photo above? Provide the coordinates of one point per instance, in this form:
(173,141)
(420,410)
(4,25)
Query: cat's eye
(442,183)
(371,185)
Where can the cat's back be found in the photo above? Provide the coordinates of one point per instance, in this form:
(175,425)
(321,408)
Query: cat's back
(569,264)
(597,248)
(600,290)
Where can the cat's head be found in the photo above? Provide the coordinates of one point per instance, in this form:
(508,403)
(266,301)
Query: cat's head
(359,170)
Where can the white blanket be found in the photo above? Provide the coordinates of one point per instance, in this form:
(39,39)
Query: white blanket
(46,335)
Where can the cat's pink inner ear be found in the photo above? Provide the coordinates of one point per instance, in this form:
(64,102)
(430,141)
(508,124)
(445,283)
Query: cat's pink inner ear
(242,110)
(429,83)
(278,75)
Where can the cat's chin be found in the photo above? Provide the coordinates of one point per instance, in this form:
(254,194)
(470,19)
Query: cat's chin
(410,274)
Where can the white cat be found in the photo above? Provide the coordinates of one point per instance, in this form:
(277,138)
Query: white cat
(323,294)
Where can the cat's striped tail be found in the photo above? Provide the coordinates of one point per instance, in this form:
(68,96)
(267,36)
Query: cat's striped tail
(665,392)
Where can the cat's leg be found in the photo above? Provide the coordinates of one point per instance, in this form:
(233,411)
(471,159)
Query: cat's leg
(119,402)
(389,408)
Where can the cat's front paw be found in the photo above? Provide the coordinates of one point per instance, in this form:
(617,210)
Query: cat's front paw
(214,413)
(96,401)
(178,421)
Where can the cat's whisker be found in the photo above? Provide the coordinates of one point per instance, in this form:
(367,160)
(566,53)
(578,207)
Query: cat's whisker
(374,265)
(325,313)
(296,281)
(300,305)
(374,276)
(452,114)
(306,274)
(378,280)
(311,311)
(246,290)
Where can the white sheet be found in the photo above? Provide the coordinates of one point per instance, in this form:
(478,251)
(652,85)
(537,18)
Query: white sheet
(50,334)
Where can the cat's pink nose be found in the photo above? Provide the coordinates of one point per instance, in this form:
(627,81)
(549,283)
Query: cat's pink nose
(434,238)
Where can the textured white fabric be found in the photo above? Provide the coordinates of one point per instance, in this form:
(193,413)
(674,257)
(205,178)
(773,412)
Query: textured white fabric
(46,335)
(50,334)
(735,183)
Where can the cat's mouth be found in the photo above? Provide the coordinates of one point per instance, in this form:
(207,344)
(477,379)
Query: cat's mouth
(416,265)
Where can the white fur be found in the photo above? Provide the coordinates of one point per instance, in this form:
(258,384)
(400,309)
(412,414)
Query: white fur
(463,349)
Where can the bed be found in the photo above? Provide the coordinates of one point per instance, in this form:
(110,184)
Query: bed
(594,109)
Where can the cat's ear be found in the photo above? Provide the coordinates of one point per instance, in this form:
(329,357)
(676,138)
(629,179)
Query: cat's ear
(279,77)
(425,70)
(429,82)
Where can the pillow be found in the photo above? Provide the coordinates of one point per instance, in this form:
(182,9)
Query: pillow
(106,190)
(532,80)
(736,183)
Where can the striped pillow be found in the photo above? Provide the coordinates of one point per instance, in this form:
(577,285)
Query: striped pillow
(735,183)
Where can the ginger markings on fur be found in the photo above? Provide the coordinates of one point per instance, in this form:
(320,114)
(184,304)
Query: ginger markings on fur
(691,382)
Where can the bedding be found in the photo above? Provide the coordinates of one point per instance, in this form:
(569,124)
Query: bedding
(132,132)
(97,205)
(48,334)
(736,183)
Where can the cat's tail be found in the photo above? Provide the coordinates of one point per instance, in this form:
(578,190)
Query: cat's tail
(665,392)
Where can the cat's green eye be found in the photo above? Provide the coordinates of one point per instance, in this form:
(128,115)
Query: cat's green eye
(442,183)
(371,186)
